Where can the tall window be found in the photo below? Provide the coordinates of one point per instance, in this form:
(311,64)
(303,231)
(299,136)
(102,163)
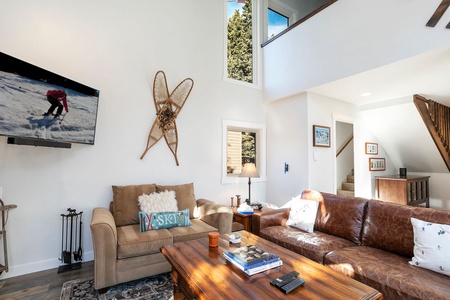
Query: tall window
(240,41)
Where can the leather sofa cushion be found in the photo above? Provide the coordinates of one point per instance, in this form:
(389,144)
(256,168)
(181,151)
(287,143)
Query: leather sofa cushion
(388,227)
(131,242)
(388,273)
(338,216)
(431,215)
(197,230)
(125,206)
(312,245)
(184,193)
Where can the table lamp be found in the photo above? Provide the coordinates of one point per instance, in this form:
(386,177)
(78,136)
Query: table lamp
(249,171)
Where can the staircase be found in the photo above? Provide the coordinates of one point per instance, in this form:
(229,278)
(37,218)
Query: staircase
(436,117)
(348,187)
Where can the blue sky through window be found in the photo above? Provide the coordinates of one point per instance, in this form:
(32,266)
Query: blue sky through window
(232,6)
(276,23)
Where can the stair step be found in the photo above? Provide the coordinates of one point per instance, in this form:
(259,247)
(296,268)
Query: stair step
(350,178)
(345,193)
(349,186)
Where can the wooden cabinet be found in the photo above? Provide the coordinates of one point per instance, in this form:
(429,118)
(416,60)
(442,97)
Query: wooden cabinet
(409,190)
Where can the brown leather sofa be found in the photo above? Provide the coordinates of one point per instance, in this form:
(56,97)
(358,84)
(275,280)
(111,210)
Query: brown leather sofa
(369,240)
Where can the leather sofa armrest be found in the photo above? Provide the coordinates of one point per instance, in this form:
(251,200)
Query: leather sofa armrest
(104,239)
(215,214)
(267,218)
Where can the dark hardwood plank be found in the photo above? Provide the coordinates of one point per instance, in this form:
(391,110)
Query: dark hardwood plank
(44,285)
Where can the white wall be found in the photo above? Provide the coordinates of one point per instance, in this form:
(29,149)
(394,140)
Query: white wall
(323,111)
(117,47)
(287,141)
(347,38)
(364,178)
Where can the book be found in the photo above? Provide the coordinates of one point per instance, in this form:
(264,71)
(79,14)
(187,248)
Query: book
(252,259)
(249,255)
(258,268)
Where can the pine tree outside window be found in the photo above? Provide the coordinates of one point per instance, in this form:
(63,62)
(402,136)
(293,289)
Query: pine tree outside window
(240,41)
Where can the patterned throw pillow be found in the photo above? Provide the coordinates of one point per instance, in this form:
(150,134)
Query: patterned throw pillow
(303,213)
(431,246)
(160,220)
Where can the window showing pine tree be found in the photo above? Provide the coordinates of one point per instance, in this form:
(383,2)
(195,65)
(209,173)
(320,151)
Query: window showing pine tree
(240,42)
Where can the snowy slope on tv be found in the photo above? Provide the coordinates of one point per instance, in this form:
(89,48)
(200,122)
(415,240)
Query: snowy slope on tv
(23,102)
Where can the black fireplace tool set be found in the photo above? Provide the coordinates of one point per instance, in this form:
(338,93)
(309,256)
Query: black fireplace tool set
(71,240)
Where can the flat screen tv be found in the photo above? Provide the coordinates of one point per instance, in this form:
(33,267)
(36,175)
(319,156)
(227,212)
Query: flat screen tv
(41,108)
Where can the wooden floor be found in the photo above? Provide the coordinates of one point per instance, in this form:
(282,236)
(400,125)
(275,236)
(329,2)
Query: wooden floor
(41,285)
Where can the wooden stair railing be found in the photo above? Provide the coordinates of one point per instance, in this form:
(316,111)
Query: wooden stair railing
(344,146)
(436,117)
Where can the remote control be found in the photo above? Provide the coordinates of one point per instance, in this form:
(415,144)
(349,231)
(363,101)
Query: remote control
(292,285)
(285,279)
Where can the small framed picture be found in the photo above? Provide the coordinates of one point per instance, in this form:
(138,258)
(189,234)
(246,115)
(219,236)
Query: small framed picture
(372,148)
(377,164)
(321,136)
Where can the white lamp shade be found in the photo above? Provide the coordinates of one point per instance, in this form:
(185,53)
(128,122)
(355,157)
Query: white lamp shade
(249,170)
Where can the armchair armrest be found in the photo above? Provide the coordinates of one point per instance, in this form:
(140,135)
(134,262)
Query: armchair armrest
(272,217)
(215,214)
(104,239)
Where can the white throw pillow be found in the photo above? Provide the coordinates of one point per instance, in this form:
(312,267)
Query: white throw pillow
(303,213)
(431,246)
(158,202)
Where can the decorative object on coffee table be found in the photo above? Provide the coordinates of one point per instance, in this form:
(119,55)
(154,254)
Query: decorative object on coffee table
(167,109)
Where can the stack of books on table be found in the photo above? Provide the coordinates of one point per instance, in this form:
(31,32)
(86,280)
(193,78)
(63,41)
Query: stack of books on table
(252,259)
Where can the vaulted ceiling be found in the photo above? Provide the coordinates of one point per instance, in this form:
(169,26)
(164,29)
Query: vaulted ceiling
(427,74)
(389,111)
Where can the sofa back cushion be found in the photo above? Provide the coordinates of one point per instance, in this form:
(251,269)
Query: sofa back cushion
(388,227)
(338,216)
(125,206)
(184,193)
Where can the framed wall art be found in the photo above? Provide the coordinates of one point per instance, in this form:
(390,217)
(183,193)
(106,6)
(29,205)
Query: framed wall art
(372,148)
(377,164)
(321,136)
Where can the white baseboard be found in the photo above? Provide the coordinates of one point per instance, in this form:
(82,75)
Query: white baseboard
(40,266)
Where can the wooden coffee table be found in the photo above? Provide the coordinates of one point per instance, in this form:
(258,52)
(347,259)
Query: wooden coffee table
(200,272)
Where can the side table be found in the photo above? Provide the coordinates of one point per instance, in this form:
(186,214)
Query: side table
(244,219)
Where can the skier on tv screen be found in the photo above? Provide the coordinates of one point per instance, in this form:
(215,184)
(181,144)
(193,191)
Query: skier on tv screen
(55,97)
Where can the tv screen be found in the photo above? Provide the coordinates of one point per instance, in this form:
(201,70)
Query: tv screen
(38,104)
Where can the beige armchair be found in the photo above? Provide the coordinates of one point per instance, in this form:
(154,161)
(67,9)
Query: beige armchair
(122,253)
